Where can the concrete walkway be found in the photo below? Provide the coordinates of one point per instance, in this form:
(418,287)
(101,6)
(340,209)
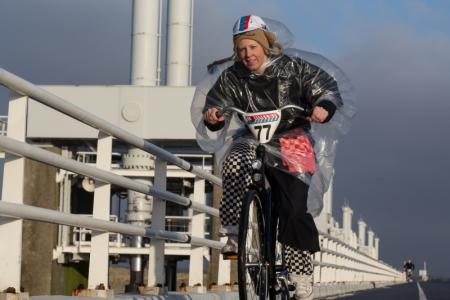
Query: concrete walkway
(320,292)
(170,296)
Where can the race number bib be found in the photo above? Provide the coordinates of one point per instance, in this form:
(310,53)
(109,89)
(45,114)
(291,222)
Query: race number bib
(263,124)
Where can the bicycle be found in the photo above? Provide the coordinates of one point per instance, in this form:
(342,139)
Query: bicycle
(409,275)
(262,273)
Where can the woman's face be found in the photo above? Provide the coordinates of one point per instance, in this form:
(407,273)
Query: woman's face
(252,55)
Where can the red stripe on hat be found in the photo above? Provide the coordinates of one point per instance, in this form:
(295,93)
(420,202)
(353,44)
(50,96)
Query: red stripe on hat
(247,20)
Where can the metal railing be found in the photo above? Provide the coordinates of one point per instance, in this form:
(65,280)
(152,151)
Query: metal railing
(10,145)
(50,216)
(23,149)
(26,88)
(331,258)
(3,125)
(335,254)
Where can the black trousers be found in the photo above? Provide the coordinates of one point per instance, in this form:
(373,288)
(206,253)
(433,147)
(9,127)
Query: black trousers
(296,226)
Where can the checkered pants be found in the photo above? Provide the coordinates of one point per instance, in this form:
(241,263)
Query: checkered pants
(236,175)
(299,262)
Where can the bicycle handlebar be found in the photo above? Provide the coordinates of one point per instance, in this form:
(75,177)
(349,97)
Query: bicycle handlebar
(306,112)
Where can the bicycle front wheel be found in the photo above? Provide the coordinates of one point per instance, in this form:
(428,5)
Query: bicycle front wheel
(252,268)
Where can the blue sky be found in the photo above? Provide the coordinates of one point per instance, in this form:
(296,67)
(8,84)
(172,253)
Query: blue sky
(392,167)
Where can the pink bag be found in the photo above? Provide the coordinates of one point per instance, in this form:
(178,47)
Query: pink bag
(297,152)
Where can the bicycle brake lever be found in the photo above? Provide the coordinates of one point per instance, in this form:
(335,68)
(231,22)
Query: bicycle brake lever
(307,112)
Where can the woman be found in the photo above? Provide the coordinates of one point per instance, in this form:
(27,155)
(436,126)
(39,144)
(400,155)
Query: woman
(263,78)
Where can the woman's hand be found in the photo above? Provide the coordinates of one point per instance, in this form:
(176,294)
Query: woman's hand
(210,116)
(319,114)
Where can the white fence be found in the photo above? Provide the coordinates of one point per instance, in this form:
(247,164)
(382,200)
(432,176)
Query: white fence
(337,262)
(3,125)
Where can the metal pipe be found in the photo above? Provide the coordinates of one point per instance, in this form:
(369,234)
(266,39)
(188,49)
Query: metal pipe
(23,149)
(191,43)
(50,216)
(24,87)
(144,72)
(179,42)
(146,45)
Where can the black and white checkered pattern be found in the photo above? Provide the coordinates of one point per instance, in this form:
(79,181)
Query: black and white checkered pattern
(236,174)
(299,262)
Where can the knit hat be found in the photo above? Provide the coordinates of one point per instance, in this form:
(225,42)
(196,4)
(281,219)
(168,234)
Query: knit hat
(256,35)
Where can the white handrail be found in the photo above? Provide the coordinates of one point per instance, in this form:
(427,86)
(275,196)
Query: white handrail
(23,149)
(334,239)
(51,216)
(25,87)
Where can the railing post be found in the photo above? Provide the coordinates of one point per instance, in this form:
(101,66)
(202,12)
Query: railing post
(156,254)
(333,260)
(324,259)
(13,184)
(317,269)
(99,256)
(197,230)
(224,275)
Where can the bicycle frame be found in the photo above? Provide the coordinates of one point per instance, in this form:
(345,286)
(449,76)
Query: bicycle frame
(276,272)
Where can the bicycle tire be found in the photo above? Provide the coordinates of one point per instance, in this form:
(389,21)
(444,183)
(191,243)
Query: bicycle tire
(252,269)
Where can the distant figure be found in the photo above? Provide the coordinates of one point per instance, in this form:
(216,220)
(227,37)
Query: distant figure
(409,269)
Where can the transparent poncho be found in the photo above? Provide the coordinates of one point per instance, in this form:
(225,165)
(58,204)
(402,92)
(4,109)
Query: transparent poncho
(318,81)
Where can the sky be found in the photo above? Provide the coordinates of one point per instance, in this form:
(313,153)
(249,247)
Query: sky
(392,167)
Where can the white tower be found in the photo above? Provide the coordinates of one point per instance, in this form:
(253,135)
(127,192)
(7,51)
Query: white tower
(325,219)
(370,242)
(424,273)
(362,233)
(377,248)
(347,213)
